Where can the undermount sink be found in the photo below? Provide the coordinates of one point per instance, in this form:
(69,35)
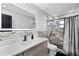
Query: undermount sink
(25,42)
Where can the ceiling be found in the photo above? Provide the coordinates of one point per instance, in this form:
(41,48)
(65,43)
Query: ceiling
(17,9)
(57,9)
(52,9)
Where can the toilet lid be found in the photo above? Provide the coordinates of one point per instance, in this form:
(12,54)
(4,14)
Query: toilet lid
(52,47)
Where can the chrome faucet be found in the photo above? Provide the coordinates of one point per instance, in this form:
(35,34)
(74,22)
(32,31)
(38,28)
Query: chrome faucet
(25,36)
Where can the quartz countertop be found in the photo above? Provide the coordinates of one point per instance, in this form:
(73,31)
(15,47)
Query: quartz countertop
(17,48)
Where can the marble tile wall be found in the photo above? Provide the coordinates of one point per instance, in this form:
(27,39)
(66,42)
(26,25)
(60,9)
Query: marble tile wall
(55,37)
(15,34)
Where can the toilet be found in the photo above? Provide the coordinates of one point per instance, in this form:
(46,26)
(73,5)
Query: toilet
(52,49)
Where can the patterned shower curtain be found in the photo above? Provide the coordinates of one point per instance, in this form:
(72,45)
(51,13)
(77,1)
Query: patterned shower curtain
(71,36)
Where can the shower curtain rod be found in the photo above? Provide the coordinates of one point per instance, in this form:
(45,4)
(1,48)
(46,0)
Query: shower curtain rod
(63,17)
(67,17)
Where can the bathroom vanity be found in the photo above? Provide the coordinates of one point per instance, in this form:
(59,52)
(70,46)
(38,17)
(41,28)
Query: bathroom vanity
(36,47)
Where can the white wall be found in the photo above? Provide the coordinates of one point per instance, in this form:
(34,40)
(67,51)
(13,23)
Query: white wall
(19,21)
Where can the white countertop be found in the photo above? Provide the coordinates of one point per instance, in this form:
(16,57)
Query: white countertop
(17,48)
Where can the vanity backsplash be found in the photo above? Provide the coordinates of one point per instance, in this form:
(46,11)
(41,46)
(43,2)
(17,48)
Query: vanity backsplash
(15,34)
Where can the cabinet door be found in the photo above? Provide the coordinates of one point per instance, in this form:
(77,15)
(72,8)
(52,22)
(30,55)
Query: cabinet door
(43,51)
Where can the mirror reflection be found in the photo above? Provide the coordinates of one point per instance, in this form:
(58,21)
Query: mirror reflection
(16,17)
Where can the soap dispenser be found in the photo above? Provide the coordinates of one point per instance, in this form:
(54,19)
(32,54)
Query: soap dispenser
(32,37)
(25,38)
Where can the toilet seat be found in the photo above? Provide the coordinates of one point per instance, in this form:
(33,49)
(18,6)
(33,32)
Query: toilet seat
(52,47)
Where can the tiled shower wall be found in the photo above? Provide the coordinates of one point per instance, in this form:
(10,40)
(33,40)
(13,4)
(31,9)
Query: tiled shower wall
(55,37)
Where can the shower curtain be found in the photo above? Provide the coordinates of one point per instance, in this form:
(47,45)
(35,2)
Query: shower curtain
(71,39)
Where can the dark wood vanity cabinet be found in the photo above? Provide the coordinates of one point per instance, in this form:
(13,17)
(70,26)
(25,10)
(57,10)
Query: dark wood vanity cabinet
(38,50)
